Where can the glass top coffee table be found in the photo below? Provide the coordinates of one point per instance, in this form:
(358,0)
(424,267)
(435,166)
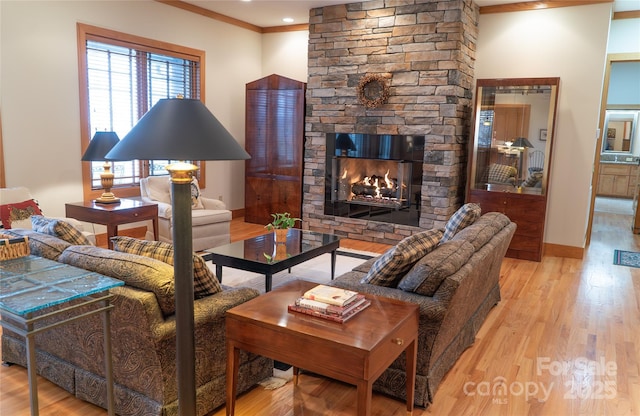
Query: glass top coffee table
(263,255)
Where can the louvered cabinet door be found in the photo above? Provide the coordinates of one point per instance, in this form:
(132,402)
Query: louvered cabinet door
(275,140)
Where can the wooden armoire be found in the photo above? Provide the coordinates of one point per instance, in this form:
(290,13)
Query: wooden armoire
(275,140)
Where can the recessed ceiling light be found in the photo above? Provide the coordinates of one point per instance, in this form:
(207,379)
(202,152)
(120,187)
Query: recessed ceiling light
(288,20)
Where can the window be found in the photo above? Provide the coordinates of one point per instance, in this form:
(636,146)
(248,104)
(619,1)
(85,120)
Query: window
(121,78)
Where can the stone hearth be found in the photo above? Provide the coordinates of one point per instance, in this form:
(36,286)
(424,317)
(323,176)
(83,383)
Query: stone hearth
(426,51)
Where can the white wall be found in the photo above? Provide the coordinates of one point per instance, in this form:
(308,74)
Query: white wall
(569,43)
(286,54)
(39,78)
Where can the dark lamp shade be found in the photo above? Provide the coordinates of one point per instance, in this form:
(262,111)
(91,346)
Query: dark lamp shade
(344,142)
(178,129)
(101,143)
(521,142)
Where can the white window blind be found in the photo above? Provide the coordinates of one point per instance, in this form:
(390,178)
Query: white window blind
(123,83)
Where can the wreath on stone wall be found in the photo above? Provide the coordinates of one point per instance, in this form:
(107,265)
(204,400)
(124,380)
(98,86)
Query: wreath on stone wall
(373,90)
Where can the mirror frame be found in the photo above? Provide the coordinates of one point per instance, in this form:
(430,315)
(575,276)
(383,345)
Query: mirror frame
(481,84)
(633,118)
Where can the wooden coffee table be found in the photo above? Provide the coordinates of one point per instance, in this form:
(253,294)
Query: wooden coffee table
(355,352)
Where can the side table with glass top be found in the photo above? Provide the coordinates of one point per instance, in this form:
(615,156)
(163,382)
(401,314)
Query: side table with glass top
(30,288)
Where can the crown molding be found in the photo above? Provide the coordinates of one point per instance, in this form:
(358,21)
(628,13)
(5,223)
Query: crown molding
(631,14)
(537,5)
(210,14)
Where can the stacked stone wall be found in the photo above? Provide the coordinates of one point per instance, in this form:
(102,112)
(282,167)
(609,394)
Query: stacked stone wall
(426,52)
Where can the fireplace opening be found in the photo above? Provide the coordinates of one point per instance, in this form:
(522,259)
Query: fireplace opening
(374,177)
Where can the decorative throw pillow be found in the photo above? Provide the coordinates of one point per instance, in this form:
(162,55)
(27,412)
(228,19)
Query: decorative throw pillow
(389,268)
(59,228)
(204,281)
(501,173)
(138,271)
(463,217)
(20,211)
(430,271)
(196,201)
(533,179)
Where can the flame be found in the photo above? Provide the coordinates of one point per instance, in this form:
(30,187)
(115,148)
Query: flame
(387,180)
(344,175)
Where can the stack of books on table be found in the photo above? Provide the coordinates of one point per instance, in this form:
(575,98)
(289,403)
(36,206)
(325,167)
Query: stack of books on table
(330,303)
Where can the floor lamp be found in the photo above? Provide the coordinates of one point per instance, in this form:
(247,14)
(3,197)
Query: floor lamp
(181,129)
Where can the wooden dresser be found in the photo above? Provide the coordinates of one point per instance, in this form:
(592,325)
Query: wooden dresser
(528,211)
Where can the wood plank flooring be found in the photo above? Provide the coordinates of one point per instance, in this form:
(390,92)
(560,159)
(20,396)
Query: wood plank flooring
(564,340)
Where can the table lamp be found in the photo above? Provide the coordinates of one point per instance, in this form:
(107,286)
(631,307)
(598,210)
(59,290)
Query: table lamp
(101,143)
(181,129)
(344,144)
(522,144)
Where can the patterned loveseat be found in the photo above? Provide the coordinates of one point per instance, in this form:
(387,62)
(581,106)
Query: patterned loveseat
(143,334)
(453,275)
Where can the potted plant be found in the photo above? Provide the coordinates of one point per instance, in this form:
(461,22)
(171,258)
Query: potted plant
(281,223)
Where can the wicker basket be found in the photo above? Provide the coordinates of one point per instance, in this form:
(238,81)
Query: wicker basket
(12,247)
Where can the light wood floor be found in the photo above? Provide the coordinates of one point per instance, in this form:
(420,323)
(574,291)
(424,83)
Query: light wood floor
(564,340)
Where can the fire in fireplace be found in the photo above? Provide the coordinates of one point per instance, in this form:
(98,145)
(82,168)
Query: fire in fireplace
(375,177)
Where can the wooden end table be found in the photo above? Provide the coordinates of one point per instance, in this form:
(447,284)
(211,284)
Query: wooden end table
(356,352)
(112,215)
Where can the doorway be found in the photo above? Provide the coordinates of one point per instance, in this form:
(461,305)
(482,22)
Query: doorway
(623,206)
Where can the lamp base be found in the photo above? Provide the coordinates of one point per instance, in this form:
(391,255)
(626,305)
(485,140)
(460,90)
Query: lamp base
(108,198)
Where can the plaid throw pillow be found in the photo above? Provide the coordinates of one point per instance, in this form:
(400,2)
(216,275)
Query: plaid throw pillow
(204,281)
(60,229)
(501,173)
(533,179)
(389,269)
(463,217)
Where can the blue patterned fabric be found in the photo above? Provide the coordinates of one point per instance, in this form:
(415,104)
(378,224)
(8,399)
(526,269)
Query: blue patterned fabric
(462,218)
(389,268)
(59,228)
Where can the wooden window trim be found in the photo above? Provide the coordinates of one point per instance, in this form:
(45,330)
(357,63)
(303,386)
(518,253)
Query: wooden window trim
(87,32)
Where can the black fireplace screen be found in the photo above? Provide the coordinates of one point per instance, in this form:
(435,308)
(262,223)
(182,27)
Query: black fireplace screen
(376,177)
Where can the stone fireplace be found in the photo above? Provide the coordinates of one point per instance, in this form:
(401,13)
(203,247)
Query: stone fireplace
(425,51)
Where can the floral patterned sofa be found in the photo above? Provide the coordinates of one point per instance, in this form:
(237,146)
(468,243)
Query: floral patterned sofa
(143,332)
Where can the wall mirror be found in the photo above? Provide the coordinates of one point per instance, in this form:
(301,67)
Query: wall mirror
(513,134)
(619,131)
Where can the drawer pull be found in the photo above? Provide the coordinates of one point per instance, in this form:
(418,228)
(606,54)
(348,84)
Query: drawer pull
(398,341)
(135,215)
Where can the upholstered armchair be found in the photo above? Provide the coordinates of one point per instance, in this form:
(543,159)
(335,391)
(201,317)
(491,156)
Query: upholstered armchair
(17,205)
(211,220)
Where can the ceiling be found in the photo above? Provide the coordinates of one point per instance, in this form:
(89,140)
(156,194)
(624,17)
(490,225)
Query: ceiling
(269,13)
